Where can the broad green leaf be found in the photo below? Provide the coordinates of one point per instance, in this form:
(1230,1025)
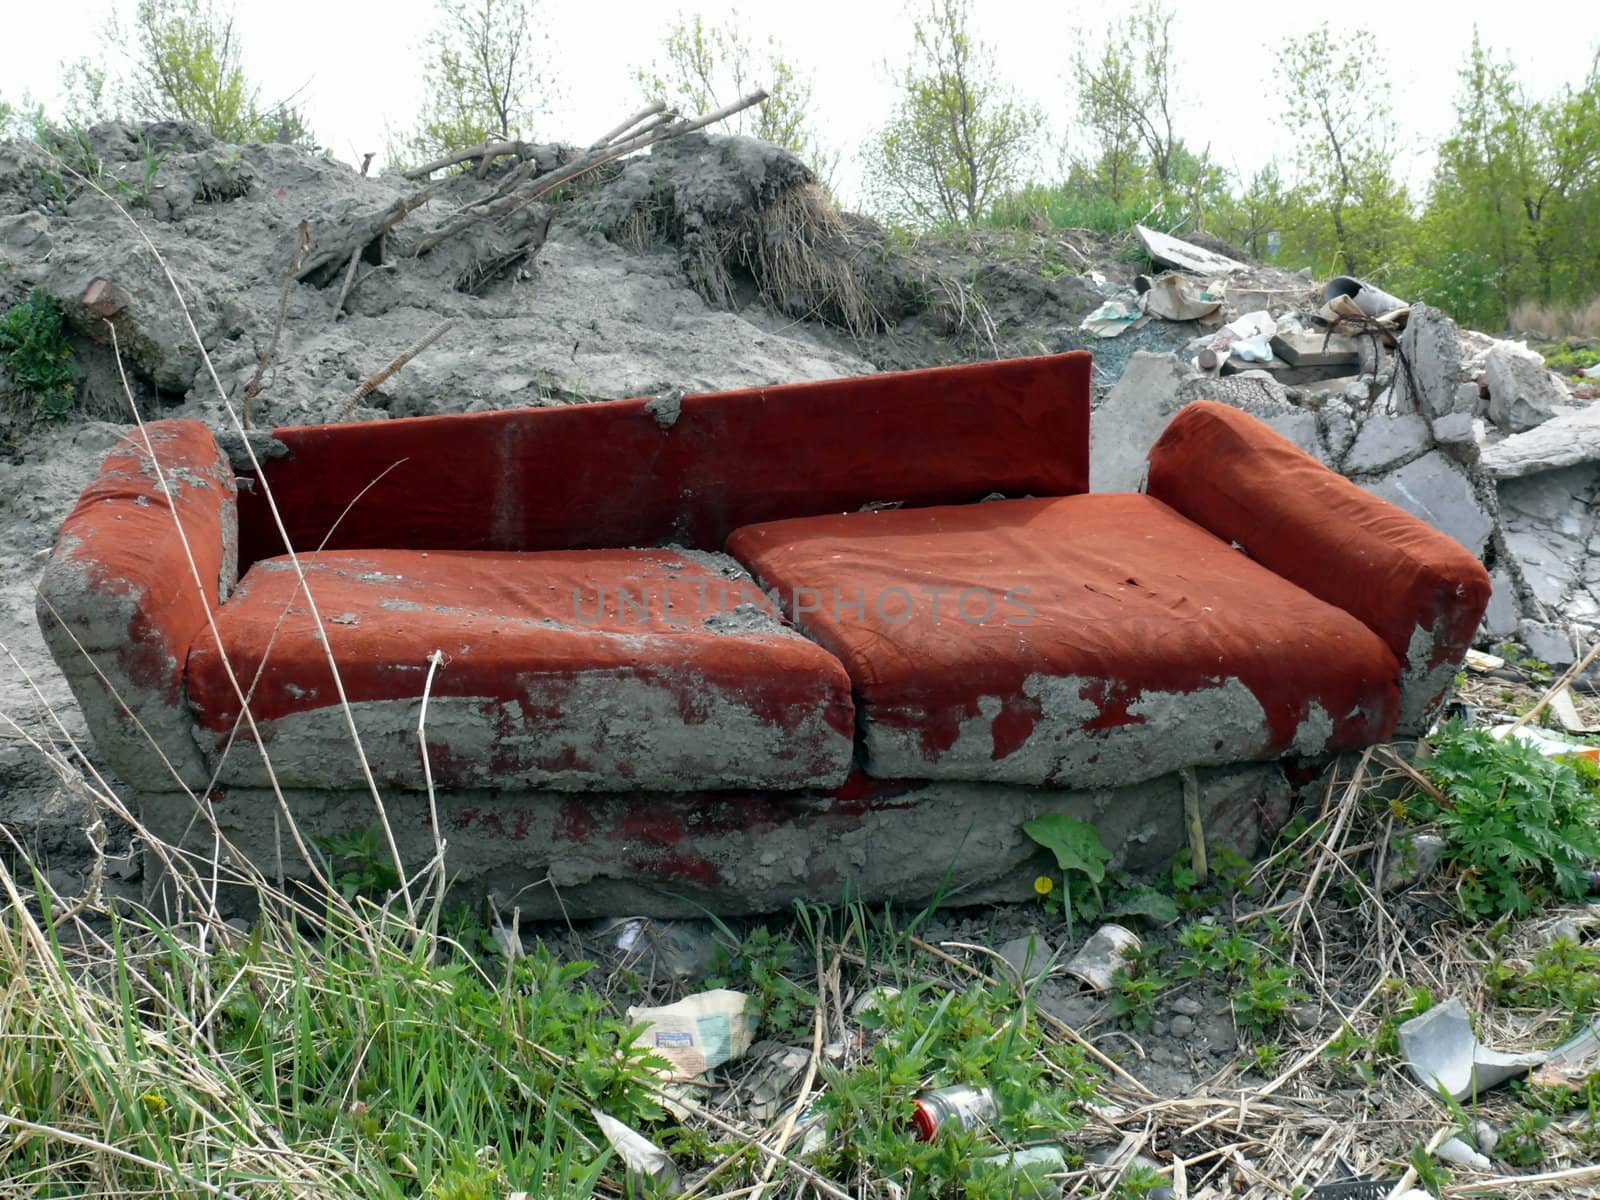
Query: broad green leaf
(1076,844)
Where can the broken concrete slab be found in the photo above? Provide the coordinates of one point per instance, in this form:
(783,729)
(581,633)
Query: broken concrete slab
(1429,345)
(1566,439)
(1548,642)
(1436,490)
(1548,524)
(1456,429)
(1387,439)
(591,856)
(1521,393)
(1316,350)
(1174,252)
(1148,395)
(1505,611)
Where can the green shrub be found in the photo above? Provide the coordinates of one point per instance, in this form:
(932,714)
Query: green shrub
(1521,828)
(34,350)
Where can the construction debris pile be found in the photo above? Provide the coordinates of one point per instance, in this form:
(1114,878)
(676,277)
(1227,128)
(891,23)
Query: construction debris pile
(1470,433)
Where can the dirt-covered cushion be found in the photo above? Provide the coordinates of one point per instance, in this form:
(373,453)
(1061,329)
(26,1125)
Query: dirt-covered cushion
(572,670)
(1071,641)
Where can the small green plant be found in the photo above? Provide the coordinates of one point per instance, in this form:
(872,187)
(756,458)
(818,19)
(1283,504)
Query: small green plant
(1264,1001)
(34,349)
(1430,1174)
(1135,987)
(1564,975)
(1138,1182)
(757,966)
(1354,1053)
(1522,1143)
(1522,828)
(368,871)
(1079,852)
(1268,1057)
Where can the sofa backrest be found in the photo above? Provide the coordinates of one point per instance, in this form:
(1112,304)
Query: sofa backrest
(651,471)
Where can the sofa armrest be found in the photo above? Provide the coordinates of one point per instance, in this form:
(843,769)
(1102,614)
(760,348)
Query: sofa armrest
(1421,591)
(119,588)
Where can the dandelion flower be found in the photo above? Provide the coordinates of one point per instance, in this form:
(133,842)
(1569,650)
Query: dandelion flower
(1044,885)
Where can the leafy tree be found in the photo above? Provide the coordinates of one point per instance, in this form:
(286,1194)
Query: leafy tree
(1126,94)
(1338,109)
(708,66)
(1515,197)
(958,138)
(1261,207)
(484,79)
(188,65)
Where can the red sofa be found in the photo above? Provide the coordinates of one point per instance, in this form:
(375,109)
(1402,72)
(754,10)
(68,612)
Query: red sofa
(739,648)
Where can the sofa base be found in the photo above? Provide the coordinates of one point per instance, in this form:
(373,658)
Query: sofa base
(554,854)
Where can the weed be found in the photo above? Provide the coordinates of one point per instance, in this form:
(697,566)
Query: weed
(1079,852)
(1262,1003)
(1138,1182)
(1563,975)
(1521,828)
(367,870)
(34,349)
(757,966)
(1521,1144)
(1135,988)
(1268,1057)
(1228,872)
(1431,1176)
(1354,1053)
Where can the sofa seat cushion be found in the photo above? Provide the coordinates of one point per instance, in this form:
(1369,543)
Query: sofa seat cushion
(576,670)
(1074,641)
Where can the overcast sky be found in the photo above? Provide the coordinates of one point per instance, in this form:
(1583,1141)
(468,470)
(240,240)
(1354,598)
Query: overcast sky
(360,62)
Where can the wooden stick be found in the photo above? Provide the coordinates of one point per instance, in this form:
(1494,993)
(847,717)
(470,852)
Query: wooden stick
(649,111)
(302,246)
(1191,820)
(365,232)
(344,288)
(485,151)
(1506,1183)
(581,165)
(794,1109)
(1567,677)
(372,381)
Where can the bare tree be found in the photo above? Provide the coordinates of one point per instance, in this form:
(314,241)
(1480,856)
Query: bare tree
(959,137)
(484,78)
(1125,94)
(709,65)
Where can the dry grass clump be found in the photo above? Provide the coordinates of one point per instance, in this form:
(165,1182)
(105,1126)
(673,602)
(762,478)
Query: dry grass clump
(1555,321)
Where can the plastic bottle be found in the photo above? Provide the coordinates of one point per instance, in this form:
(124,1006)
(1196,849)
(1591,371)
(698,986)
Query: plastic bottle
(959,1107)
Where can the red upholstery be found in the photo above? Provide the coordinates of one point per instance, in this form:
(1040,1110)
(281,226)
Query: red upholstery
(1420,590)
(121,582)
(551,677)
(1079,640)
(626,473)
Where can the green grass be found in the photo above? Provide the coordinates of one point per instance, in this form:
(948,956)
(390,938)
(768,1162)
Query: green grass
(1057,206)
(34,350)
